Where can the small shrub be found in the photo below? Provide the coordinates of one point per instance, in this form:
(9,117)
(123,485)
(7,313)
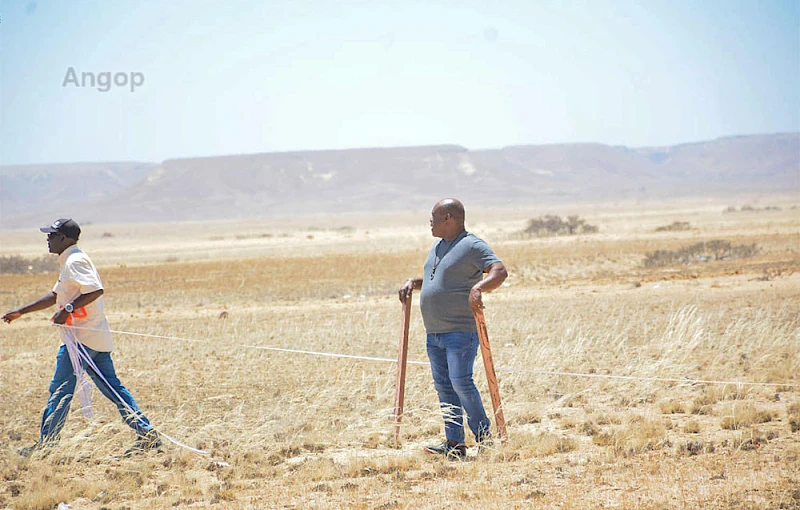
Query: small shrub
(717,249)
(547,226)
(675,226)
(15,264)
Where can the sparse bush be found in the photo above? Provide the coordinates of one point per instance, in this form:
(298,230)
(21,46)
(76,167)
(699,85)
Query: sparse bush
(675,226)
(700,252)
(547,226)
(15,264)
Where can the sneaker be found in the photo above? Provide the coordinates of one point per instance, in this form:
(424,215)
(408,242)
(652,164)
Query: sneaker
(148,441)
(450,449)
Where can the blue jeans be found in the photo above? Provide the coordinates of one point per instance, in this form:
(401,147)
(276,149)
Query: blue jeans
(452,356)
(62,388)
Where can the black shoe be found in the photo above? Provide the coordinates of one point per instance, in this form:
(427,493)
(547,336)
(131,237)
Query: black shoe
(450,449)
(148,441)
(27,451)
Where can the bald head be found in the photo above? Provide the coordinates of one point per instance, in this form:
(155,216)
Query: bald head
(454,208)
(447,219)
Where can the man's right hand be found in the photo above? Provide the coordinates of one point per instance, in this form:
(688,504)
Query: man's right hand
(11,316)
(406,290)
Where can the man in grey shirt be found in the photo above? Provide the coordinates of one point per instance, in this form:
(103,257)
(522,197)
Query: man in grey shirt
(452,288)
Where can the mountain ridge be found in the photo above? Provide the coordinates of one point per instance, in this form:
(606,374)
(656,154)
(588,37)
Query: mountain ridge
(352,180)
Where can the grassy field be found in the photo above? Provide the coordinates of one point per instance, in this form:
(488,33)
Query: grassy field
(632,426)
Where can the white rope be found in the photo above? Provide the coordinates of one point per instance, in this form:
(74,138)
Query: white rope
(82,386)
(509,370)
(81,349)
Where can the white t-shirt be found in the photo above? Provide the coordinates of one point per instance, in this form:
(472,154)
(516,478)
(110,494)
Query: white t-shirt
(79,276)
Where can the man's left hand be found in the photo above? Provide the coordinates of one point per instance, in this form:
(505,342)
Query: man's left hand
(476,299)
(60,317)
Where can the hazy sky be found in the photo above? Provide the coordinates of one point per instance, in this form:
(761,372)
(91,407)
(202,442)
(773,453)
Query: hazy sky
(260,76)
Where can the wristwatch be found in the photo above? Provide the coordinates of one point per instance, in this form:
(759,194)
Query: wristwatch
(69,308)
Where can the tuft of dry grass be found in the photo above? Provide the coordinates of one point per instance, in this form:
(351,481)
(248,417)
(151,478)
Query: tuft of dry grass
(637,435)
(793,415)
(671,407)
(692,427)
(540,444)
(739,415)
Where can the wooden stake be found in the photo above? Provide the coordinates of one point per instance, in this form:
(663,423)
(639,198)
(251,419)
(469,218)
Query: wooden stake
(491,377)
(402,358)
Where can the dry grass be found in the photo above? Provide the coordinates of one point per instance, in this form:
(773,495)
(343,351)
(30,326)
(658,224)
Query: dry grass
(299,431)
(740,415)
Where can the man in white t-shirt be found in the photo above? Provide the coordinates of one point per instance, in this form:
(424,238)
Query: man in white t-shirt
(78,294)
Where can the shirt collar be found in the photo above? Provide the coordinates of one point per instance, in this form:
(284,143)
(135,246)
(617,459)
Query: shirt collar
(62,258)
(457,239)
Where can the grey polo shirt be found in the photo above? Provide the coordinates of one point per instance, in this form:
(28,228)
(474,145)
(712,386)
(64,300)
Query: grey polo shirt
(456,266)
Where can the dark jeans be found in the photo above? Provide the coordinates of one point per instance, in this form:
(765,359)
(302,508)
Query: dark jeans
(452,356)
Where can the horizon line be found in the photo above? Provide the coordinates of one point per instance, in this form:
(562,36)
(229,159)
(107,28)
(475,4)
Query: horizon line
(392,147)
